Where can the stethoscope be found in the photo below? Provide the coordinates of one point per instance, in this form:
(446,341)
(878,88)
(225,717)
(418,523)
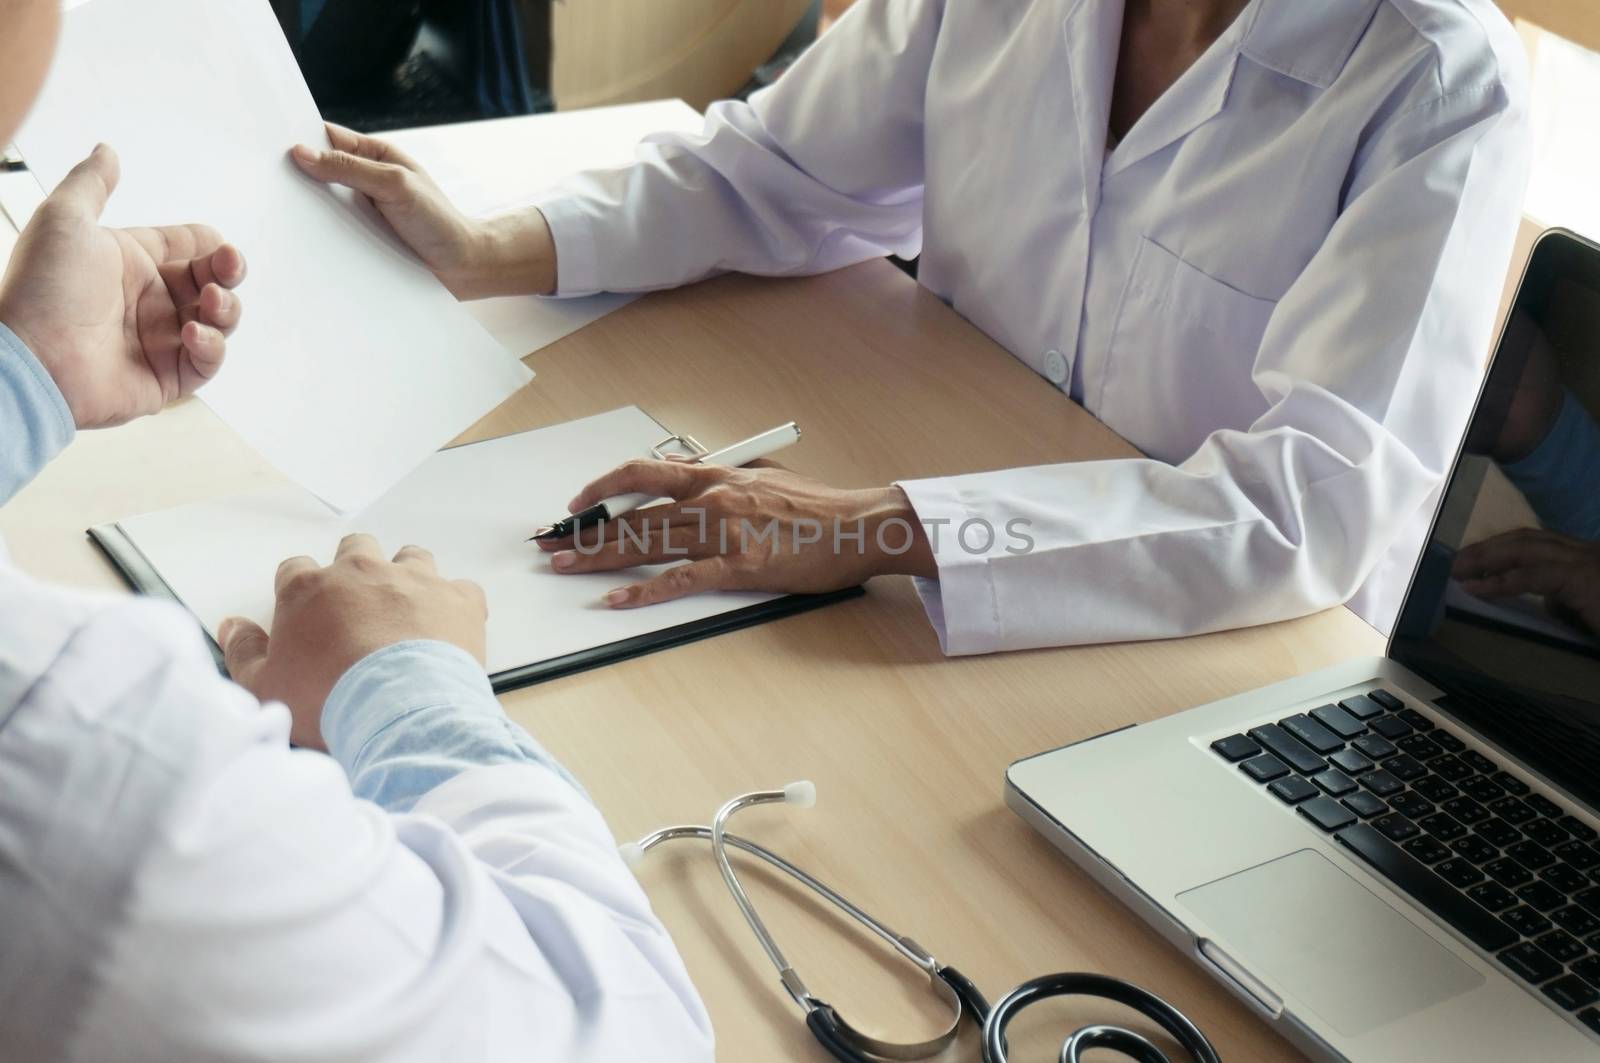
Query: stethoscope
(848,1044)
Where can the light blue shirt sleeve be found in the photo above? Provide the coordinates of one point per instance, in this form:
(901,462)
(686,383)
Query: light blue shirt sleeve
(410,717)
(34,419)
(1559,478)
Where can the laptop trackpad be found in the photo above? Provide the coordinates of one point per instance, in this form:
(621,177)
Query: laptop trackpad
(1310,931)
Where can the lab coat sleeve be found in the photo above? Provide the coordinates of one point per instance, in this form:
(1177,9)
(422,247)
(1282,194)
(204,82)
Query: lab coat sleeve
(210,893)
(1369,363)
(820,170)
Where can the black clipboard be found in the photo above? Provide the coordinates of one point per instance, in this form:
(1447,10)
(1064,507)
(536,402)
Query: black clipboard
(142,576)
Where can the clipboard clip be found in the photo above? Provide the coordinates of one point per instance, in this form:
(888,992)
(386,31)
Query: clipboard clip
(680,445)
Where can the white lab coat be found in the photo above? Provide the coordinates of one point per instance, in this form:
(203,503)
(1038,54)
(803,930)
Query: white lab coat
(1279,286)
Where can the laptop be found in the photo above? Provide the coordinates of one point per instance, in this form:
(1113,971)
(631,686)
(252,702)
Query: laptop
(1398,858)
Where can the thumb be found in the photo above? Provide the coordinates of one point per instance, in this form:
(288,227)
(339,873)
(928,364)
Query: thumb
(382,182)
(244,649)
(90,183)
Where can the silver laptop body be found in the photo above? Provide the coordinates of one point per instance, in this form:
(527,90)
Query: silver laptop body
(1431,898)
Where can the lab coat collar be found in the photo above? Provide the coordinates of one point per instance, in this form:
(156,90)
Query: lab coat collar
(1308,41)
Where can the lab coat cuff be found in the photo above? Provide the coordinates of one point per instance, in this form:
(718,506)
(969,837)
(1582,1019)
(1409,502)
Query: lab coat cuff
(962,604)
(396,681)
(38,423)
(573,232)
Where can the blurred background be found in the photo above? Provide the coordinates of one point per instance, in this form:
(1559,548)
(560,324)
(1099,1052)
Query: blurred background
(388,64)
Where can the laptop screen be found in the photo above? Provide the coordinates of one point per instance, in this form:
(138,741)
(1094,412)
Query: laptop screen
(1504,610)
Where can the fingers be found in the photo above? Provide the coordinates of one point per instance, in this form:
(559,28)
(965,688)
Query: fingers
(244,649)
(357,545)
(654,545)
(204,348)
(383,182)
(697,577)
(1544,580)
(89,184)
(417,557)
(1526,546)
(663,479)
(220,309)
(288,570)
(353,143)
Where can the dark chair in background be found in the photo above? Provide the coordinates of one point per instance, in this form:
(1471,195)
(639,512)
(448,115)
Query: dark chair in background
(387,64)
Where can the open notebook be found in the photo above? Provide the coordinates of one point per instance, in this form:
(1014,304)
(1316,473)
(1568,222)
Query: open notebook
(473,506)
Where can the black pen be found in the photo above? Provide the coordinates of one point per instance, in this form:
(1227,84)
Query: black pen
(741,453)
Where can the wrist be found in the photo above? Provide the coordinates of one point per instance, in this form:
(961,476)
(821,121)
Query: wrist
(511,254)
(897,544)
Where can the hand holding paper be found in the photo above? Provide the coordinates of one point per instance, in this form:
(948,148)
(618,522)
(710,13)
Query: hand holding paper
(124,320)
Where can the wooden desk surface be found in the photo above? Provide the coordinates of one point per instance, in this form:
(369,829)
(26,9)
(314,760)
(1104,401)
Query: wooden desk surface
(907,748)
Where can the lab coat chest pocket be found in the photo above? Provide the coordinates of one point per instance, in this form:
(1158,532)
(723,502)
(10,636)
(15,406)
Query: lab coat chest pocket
(1181,355)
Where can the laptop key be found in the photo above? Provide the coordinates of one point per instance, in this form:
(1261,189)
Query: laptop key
(1466,810)
(1507,872)
(1498,833)
(1426,888)
(1588,969)
(1478,762)
(1292,789)
(1404,767)
(1546,832)
(1442,827)
(1561,946)
(1571,992)
(1475,849)
(1364,804)
(1526,921)
(1492,896)
(1350,762)
(1327,813)
(1411,804)
(1451,768)
(1544,806)
(1390,727)
(1450,742)
(1362,706)
(1579,829)
(1420,746)
(1334,782)
(1483,789)
(1382,783)
(1264,768)
(1339,721)
(1426,849)
(1590,899)
(1375,746)
(1396,827)
(1435,789)
(1312,733)
(1590,1018)
(1575,920)
(1235,748)
(1459,873)
(1577,854)
(1564,877)
(1541,895)
(1530,855)
(1415,719)
(1386,699)
(1529,963)
(1513,810)
(1511,784)
(1288,749)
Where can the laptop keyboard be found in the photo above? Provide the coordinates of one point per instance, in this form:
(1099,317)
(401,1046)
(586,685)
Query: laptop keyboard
(1512,871)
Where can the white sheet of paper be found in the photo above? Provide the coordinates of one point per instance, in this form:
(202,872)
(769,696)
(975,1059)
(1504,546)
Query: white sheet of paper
(352,363)
(491,167)
(472,506)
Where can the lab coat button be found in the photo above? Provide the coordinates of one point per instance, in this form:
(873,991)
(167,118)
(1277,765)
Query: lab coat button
(1055,366)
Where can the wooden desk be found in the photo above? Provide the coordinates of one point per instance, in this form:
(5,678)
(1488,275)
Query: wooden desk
(907,748)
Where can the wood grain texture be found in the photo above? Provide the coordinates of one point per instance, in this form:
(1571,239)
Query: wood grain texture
(907,747)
